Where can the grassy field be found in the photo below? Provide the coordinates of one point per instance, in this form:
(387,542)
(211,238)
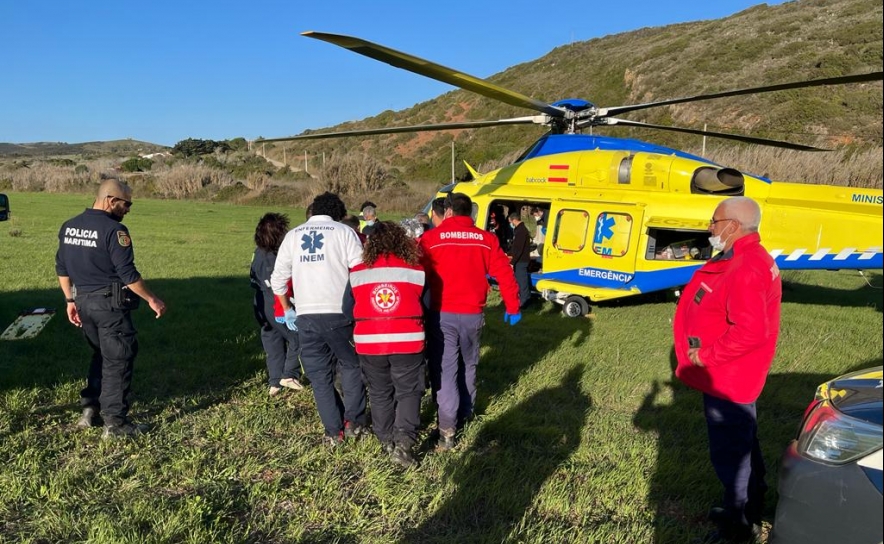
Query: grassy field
(583,435)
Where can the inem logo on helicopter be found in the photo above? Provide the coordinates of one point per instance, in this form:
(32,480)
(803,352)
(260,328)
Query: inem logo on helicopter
(625,217)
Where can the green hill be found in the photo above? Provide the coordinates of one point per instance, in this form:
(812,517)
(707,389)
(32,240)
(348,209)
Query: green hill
(804,39)
(120,148)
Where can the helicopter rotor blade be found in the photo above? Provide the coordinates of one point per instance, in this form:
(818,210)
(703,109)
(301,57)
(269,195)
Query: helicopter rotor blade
(536,119)
(437,72)
(841,80)
(724,135)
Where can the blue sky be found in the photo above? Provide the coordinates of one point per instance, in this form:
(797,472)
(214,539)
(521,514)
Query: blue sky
(163,71)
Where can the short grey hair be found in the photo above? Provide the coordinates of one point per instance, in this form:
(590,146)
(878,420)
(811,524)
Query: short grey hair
(368,211)
(744,210)
(413,227)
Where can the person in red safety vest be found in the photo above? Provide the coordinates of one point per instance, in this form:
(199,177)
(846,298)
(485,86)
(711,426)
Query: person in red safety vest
(388,288)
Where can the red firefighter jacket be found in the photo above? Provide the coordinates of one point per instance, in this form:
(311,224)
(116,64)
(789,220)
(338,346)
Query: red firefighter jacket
(387,309)
(461,256)
(732,305)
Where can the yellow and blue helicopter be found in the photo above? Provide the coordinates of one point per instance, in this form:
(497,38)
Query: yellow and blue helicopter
(627,217)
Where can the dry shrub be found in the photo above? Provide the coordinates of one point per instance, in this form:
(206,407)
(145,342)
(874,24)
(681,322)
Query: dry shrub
(842,167)
(51,178)
(185,180)
(257,181)
(353,175)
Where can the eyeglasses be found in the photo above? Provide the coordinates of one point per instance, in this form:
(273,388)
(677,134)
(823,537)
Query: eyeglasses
(714,220)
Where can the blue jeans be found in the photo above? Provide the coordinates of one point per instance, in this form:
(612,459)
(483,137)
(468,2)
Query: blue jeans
(327,342)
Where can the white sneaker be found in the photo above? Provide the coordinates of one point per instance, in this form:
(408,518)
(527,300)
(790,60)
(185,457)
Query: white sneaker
(274,390)
(291,383)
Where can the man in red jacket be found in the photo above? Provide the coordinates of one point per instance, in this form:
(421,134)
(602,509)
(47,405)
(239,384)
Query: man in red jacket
(725,331)
(458,258)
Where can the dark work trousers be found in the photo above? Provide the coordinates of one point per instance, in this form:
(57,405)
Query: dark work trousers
(327,339)
(454,356)
(524,280)
(395,387)
(281,346)
(112,337)
(736,458)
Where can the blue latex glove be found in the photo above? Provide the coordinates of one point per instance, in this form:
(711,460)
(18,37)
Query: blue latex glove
(291,317)
(512,319)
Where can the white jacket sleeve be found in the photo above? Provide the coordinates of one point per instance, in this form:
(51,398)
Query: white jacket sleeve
(282,270)
(354,249)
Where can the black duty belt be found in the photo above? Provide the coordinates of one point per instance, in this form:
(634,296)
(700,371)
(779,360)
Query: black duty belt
(100,293)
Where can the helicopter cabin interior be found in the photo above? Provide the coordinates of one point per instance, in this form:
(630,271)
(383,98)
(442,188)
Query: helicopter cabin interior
(599,232)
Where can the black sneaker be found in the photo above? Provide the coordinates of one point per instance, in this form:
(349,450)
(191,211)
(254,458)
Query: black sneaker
(403,456)
(87,419)
(387,446)
(353,430)
(125,430)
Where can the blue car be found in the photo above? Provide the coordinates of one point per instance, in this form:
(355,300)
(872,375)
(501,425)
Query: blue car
(830,478)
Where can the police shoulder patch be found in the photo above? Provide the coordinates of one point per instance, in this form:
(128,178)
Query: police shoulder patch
(123,238)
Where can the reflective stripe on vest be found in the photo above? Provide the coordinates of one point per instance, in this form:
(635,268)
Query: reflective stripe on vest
(386,275)
(388,337)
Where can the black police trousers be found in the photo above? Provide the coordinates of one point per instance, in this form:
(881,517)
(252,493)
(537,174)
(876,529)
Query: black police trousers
(111,335)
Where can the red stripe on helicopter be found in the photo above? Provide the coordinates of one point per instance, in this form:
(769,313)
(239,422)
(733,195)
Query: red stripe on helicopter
(558,167)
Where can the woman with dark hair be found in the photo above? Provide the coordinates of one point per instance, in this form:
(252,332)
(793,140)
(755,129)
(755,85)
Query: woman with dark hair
(388,288)
(280,344)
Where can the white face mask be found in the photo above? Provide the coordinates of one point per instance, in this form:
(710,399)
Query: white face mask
(370,222)
(716,242)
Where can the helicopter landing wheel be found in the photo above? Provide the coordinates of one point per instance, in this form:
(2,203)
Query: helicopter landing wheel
(575,306)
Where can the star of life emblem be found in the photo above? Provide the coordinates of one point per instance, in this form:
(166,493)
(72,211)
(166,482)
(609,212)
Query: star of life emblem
(385,297)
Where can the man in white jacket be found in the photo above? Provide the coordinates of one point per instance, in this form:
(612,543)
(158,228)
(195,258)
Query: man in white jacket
(317,256)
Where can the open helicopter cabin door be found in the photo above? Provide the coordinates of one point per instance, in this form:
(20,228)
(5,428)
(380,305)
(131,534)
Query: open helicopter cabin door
(590,251)
(4,207)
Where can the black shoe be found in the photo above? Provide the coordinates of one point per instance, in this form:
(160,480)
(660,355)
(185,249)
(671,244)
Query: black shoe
(388,446)
(728,532)
(125,430)
(334,441)
(446,440)
(403,456)
(354,430)
(87,419)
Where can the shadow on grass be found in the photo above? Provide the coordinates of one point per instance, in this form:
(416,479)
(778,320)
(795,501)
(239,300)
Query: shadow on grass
(508,352)
(511,351)
(684,486)
(191,358)
(870,294)
(510,459)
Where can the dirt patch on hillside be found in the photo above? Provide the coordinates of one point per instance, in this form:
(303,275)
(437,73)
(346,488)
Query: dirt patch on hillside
(419,139)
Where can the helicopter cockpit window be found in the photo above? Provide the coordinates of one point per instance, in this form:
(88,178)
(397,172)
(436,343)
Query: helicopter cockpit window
(611,235)
(571,229)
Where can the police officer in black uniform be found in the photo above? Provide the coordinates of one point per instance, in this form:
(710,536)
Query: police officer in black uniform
(96,270)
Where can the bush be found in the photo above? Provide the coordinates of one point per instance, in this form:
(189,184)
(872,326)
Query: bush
(136,164)
(192,147)
(231,193)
